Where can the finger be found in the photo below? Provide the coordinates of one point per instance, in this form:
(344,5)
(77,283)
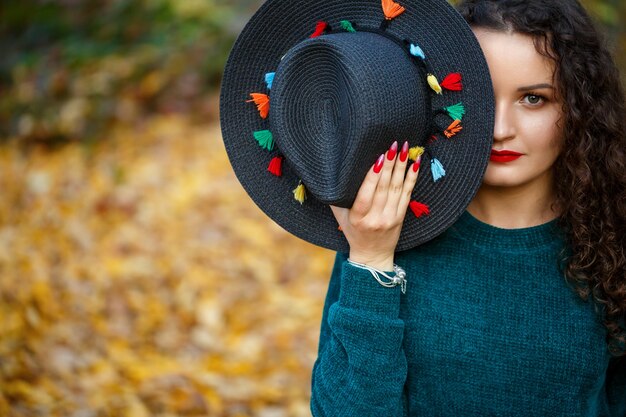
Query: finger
(363,201)
(397,179)
(382,189)
(409,185)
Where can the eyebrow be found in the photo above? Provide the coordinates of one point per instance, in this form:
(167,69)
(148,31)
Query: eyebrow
(534,87)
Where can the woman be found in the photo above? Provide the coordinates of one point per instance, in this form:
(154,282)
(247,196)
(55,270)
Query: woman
(489,325)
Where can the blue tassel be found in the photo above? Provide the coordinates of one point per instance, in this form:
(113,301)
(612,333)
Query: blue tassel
(269,79)
(437,169)
(417,51)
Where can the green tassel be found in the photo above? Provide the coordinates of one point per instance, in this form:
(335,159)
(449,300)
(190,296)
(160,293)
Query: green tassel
(347,26)
(265,139)
(456,111)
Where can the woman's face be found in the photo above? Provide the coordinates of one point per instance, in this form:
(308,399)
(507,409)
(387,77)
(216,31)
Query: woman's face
(527,134)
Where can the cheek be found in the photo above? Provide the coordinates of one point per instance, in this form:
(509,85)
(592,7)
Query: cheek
(545,134)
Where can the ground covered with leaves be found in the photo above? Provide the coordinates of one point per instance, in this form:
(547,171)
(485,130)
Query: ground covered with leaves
(138,279)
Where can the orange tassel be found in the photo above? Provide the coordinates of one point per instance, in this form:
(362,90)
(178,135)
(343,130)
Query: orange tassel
(452,82)
(419,209)
(319,29)
(454,128)
(392,9)
(262,102)
(276,166)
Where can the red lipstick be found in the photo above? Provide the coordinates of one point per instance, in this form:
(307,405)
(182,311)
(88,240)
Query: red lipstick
(503,156)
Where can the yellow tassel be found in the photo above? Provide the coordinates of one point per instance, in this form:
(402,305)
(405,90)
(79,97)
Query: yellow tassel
(299,193)
(433,83)
(415,152)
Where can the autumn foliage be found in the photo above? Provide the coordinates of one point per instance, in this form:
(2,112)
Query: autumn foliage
(138,279)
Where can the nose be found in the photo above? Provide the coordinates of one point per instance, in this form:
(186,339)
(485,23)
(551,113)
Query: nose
(504,127)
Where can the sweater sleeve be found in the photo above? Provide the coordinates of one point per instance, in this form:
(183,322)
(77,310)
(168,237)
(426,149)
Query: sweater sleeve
(361,366)
(616,386)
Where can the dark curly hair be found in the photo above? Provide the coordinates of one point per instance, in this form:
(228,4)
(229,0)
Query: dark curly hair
(590,173)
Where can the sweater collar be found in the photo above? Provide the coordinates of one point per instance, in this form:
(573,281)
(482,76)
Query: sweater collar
(485,235)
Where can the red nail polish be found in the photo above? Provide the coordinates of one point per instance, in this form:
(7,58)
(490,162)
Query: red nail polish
(416,164)
(391,154)
(379,163)
(405,152)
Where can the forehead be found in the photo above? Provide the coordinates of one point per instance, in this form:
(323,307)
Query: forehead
(513,58)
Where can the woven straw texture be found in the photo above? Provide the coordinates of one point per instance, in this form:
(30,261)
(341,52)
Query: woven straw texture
(336,102)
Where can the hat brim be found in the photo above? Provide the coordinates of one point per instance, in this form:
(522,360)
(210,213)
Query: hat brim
(450,46)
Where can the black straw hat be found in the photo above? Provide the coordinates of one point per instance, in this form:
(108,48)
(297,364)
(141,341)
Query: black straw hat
(314,91)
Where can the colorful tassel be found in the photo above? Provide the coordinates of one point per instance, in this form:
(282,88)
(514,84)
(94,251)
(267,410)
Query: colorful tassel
(437,170)
(433,83)
(265,139)
(419,209)
(299,193)
(415,152)
(417,51)
(347,26)
(262,102)
(454,128)
(452,82)
(319,29)
(276,166)
(456,111)
(392,9)
(269,79)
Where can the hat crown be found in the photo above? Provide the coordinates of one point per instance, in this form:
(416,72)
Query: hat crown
(337,100)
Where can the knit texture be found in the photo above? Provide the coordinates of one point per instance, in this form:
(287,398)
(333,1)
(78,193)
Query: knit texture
(488,327)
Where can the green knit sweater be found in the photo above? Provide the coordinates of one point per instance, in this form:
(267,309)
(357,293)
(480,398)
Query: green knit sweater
(488,327)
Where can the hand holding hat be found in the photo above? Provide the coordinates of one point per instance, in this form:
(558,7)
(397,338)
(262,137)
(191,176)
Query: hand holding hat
(314,108)
(372,225)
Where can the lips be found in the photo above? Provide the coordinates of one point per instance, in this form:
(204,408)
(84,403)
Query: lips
(504,156)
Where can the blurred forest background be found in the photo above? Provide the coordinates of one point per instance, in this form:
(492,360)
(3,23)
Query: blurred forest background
(136,276)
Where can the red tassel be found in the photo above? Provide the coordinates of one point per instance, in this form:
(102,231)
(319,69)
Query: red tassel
(419,209)
(454,128)
(276,166)
(262,102)
(452,82)
(319,29)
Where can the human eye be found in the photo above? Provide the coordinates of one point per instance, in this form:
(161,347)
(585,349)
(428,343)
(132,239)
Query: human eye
(533,99)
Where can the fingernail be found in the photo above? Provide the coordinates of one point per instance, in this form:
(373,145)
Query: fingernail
(416,164)
(391,154)
(405,152)
(379,163)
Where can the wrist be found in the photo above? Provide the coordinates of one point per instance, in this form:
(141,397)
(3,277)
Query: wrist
(382,263)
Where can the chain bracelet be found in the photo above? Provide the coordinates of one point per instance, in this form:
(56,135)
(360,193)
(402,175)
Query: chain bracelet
(398,279)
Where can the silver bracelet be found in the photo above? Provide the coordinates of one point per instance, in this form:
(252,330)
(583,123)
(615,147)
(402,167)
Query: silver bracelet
(398,278)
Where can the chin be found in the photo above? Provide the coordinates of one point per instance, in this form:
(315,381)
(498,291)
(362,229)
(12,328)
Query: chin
(500,177)
(509,177)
